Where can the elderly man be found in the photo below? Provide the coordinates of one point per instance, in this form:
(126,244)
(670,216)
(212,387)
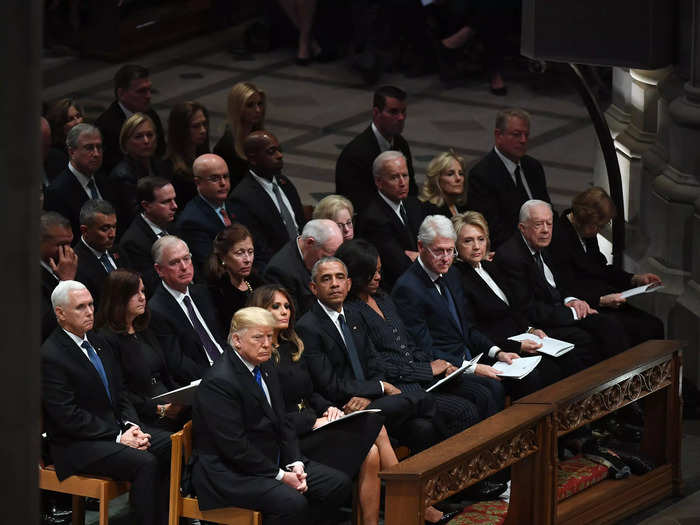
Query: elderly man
(98,225)
(531,277)
(91,425)
(353,171)
(132,91)
(392,218)
(183,315)
(156,197)
(246,448)
(208,213)
(265,200)
(82,178)
(506,177)
(291,266)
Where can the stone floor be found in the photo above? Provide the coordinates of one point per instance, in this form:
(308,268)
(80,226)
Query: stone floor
(316,110)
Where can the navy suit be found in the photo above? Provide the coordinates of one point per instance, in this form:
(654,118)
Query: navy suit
(135,252)
(91,272)
(287,268)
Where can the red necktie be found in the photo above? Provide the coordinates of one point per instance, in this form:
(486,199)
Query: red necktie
(224,216)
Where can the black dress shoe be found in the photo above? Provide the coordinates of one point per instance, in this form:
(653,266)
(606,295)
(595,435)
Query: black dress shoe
(446,517)
(486,490)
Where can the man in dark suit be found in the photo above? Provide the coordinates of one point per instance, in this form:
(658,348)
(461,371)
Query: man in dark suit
(506,177)
(91,425)
(353,171)
(291,266)
(157,199)
(98,225)
(208,213)
(247,452)
(392,218)
(82,179)
(132,91)
(531,277)
(183,316)
(341,359)
(265,200)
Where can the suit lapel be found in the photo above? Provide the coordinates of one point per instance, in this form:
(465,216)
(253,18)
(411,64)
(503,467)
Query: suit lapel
(438,301)
(251,385)
(328,326)
(72,351)
(399,226)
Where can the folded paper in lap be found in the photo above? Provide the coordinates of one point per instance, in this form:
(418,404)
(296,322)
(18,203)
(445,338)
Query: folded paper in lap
(550,346)
(646,288)
(519,368)
(456,373)
(179,396)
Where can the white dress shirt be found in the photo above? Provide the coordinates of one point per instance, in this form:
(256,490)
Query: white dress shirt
(99,254)
(127,111)
(267,186)
(396,206)
(83,180)
(384,145)
(510,166)
(48,269)
(491,283)
(157,230)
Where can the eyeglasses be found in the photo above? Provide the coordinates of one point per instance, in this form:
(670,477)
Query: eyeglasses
(447,253)
(215,178)
(345,225)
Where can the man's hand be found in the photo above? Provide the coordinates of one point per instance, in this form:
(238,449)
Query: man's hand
(134,438)
(320,422)
(487,371)
(389,389)
(438,366)
(639,279)
(450,369)
(612,300)
(539,333)
(356,403)
(333,413)
(67,264)
(581,307)
(529,346)
(507,357)
(411,255)
(295,480)
(490,256)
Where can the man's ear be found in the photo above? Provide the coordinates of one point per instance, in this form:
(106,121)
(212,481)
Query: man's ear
(83,229)
(236,340)
(521,228)
(60,315)
(313,288)
(158,269)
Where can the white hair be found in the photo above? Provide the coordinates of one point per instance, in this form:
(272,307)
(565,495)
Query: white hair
(320,230)
(161,244)
(434,226)
(59,296)
(527,207)
(383,158)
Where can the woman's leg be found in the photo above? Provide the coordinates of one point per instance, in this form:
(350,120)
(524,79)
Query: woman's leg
(369,486)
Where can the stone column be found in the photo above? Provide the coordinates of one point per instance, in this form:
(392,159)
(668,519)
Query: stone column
(20,165)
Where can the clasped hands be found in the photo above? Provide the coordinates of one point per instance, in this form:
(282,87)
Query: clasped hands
(134,438)
(296,478)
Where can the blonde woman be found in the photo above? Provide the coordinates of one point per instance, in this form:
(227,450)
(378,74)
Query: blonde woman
(246,107)
(445,185)
(339,210)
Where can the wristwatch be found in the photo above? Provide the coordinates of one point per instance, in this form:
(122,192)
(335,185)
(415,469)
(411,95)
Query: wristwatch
(161,411)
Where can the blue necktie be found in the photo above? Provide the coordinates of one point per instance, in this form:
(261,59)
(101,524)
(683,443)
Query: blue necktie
(97,363)
(352,350)
(258,380)
(447,296)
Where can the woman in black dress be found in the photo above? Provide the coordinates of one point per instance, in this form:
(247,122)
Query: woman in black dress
(231,277)
(371,449)
(62,115)
(122,319)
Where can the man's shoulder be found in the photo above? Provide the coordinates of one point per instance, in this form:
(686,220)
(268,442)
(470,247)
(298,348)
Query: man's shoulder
(531,162)
(310,319)
(109,116)
(241,193)
(287,258)
(361,145)
(410,278)
(487,163)
(63,180)
(511,250)
(194,211)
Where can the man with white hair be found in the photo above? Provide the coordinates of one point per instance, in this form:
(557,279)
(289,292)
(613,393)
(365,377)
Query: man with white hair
(183,315)
(392,218)
(91,425)
(291,266)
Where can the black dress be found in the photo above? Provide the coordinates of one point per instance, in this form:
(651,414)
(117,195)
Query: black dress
(183,184)
(342,445)
(228,299)
(237,167)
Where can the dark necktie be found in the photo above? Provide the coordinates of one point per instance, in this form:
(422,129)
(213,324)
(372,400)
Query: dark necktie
(287,218)
(97,363)
(519,184)
(447,296)
(258,380)
(540,266)
(404,217)
(207,342)
(352,350)
(104,259)
(225,217)
(92,189)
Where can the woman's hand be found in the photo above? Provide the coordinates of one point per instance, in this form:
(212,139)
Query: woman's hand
(320,422)
(333,413)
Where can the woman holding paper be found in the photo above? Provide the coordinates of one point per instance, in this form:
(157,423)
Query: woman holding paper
(122,319)
(366,447)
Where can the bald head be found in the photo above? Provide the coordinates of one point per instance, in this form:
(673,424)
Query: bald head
(212,178)
(263,152)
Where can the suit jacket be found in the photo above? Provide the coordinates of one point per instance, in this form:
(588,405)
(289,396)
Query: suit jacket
(427,317)
(66,196)
(48,317)
(81,421)
(353,170)
(326,355)
(254,208)
(584,273)
(197,225)
(530,291)
(184,353)
(110,124)
(287,268)
(91,272)
(135,252)
(239,438)
(493,193)
(382,227)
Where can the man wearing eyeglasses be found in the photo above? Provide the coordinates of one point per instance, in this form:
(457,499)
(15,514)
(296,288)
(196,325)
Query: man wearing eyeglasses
(82,179)
(506,177)
(208,213)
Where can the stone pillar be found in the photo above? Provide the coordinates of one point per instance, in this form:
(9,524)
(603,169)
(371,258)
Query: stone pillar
(20,165)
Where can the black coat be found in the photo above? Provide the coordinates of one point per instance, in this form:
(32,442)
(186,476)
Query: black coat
(287,268)
(91,272)
(48,317)
(353,170)
(135,252)
(237,167)
(493,193)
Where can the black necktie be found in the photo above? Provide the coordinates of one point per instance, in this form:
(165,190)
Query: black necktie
(92,189)
(447,296)
(104,259)
(519,184)
(207,342)
(540,266)
(287,218)
(352,350)
(404,217)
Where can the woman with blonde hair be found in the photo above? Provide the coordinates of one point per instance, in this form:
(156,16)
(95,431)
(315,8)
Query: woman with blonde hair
(444,189)
(339,210)
(246,105)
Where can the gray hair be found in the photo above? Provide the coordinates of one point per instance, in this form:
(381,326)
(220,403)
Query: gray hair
(526,209)
(78,131)
(325,260)
(92,207)
(161,244)
(383,158)
(59,296)
(434,226)
(504,115)
(49,219)
(320,230)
